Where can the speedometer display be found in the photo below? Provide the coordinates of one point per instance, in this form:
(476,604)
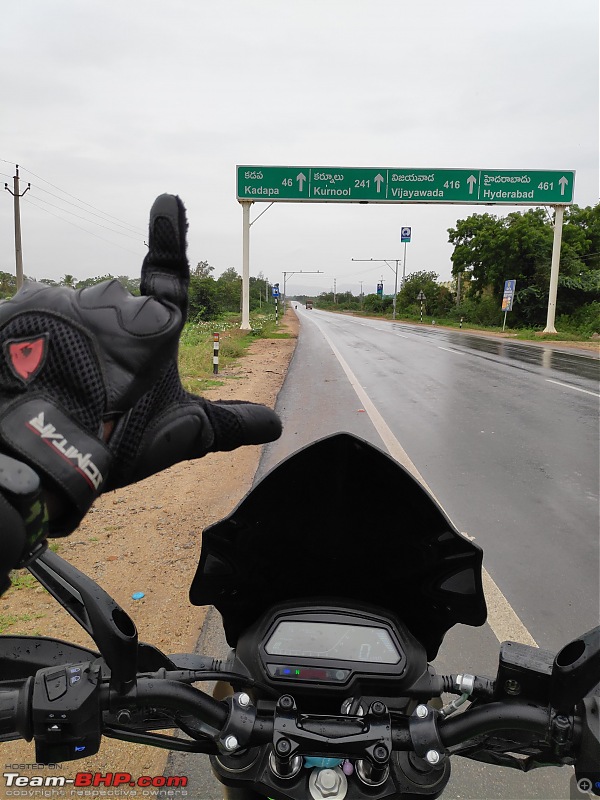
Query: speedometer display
(334,641)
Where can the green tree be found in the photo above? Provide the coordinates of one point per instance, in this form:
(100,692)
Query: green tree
(438,299)
(229,290)
(131,284)
(258,292)
(489,250)
(8,285)
(203,270)
(203,300)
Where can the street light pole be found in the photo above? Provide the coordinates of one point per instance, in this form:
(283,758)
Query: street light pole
(385,261)
(395,291)
(297,272)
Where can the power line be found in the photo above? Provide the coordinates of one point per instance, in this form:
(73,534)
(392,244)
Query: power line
(91,233)
(92,222)
(362,271)
(105,213)
(68,202)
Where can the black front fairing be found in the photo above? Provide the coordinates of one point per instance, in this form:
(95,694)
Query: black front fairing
(341,519)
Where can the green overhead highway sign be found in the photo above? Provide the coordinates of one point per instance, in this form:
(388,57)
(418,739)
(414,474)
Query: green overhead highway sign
(405,185)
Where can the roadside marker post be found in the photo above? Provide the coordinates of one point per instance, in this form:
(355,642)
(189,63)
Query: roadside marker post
(216,345)
(421,297)
(276,297)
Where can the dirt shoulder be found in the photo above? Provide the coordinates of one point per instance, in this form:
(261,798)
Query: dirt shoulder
(146,538)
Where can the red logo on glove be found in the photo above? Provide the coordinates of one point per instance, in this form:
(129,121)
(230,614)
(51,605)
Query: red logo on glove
(26,357)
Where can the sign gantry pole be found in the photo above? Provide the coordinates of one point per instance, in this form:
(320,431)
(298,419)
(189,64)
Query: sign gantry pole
(245,326)
(558,223)
(317,184)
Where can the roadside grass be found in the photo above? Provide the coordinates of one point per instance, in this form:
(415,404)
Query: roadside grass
(196,347)
(8,620)
(524,334)
(21,579)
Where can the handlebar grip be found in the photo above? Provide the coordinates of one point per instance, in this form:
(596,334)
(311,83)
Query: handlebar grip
(15,712)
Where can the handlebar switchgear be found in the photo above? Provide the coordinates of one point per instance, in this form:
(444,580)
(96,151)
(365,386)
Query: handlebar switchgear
(67,722)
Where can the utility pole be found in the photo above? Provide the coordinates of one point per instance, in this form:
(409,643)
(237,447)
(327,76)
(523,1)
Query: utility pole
(361,294)
(335,290)
(18,249)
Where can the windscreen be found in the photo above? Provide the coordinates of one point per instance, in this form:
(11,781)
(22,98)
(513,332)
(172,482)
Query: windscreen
(362,530)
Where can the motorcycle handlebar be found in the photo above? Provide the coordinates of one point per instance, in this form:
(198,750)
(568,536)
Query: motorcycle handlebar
(24,714)
(15,712)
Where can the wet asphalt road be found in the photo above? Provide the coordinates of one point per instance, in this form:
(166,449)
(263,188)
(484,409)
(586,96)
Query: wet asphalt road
(506,436)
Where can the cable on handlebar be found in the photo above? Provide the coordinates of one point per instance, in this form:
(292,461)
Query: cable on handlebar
(491,719)
(182,698)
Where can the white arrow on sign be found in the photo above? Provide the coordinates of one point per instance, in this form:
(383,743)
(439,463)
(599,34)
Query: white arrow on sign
(563,182)
(300,177)
(471,180)
(378,180)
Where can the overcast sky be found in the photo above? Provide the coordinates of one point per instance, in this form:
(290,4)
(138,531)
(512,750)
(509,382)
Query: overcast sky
(107,104)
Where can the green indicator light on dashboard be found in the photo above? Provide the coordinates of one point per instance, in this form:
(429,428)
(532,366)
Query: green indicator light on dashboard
(297,672)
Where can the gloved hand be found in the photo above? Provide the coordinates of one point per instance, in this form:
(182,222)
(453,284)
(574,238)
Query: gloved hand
(169,425)
(78,364)
(76,360)
(23,516)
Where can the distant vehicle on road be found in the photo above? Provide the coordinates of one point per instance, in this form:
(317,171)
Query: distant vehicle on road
(309,304)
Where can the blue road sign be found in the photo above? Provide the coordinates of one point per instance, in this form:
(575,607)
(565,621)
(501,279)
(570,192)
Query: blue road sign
(509,293)
(405,234)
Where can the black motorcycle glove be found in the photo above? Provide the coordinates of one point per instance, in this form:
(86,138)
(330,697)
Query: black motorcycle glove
(23,516)
(169,425)
(73,361)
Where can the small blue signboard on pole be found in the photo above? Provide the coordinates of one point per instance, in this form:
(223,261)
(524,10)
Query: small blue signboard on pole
(405,234)
(507,298)
(509,293)
(276,290)
(380,290)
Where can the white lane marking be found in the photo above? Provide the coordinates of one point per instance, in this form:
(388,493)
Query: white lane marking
(502,618)
(570,386)
(450,350)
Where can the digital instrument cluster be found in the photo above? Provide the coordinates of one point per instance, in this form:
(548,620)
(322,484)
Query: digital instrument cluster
(304,649)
